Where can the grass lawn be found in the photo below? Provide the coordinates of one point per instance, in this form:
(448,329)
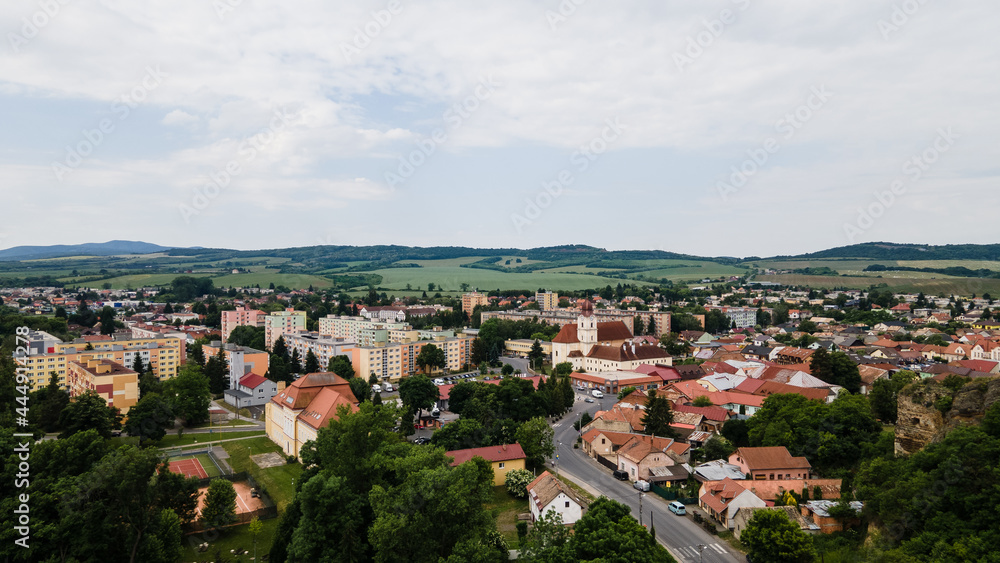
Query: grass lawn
(277,481)
(231,538)
(506,509)
(233,422)
(172,440)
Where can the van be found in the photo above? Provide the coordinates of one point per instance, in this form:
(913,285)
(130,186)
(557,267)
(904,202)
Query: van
(387,387)
(677,508)
(620,475)
(641,485)
(376,388)
(439,381)
(597,394)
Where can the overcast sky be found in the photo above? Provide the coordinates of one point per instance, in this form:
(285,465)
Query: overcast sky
(441,123)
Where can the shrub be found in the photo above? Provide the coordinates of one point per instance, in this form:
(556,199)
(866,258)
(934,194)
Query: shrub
(517,482)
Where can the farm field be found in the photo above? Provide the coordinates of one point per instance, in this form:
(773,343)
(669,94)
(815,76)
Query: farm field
(451,278)
(293,281)
(942,285)
(134,280)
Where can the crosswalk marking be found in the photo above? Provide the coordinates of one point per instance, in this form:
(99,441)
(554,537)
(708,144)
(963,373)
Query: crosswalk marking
(691,551)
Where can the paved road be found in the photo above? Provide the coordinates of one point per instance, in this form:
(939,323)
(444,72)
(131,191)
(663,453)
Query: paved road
(678,533)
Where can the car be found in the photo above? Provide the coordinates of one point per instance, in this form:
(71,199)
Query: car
(439,381)
(116,433)
(641,485)
(422,440)
(376,388)
(436,412)
(620,475)
(589,399)
(677,508)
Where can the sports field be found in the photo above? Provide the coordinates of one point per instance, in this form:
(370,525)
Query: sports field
(198,466)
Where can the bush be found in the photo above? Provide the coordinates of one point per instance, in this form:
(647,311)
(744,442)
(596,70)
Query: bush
(522,530)
(290,459)
(517,482)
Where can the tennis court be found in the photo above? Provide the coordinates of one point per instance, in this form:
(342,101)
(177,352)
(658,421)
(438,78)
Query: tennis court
(207,464)
(190,467)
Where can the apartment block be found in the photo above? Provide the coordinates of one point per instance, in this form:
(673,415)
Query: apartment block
(364,331)
(547,300)
(111,380)
(163,356)
(241,360)
(281,323)
(324,347)
(397,360)
(241,317)
(471,300)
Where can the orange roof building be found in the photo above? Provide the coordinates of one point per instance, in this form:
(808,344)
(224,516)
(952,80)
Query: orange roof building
(298,411)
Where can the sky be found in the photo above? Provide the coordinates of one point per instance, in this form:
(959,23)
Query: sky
(715,128)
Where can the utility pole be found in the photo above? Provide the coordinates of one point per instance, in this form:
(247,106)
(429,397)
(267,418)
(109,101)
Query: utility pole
(640,508)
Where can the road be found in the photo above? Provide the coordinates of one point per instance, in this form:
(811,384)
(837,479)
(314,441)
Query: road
(678,533)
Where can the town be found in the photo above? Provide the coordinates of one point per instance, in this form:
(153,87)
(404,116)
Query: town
(699,421)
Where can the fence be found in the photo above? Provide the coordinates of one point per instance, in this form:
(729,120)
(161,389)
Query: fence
(607,462)
(671,495)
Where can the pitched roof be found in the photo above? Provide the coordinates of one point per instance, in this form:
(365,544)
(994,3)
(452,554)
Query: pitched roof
(324,406)
(627,353)
(505,452)
(773,457)
(767,490)
(545,488)
(718,494)
(252,380)
(606,331)
(318,396)
(710,413)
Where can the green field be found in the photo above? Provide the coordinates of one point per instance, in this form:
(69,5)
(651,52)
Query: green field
(172,440)
(231,538)
(134,280)
(294,281)
(942,285)
(277,481)
(451,279)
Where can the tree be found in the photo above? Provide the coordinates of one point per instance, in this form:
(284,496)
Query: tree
(107,317)
(418,392)
(535,437)
(674,346)
(277,370)
(716,322)
(216,370)
(312,362)
(563,368)
(462,434)
(702,401)
(716,448)
(188,394)
(516,481)
(149,418)
(770,537)
(536,354)
(280,349)
(735,432)
(249,336)
(255,528)
(639,326)
(220,504)
(820,365)
(507,369)
(341,365)
(138,365)
(658,416)
(431,357)
(88,411)
(48,403)
(625,392)
(295,363)
(361,389)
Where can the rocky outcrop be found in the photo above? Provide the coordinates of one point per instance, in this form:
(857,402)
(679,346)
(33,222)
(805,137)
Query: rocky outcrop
(927,410)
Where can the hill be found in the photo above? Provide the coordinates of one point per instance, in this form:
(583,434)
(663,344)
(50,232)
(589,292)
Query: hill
(87,249)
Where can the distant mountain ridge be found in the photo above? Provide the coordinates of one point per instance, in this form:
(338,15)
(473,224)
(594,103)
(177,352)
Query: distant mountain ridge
(906,251)
(90,249)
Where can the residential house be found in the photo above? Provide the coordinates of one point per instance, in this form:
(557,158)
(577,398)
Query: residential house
(297,412)
(503,459)
(546,493)
(642,453)
(251,390)
(770,463)
(723,499)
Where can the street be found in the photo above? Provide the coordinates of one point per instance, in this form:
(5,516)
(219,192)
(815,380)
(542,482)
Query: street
(681,536)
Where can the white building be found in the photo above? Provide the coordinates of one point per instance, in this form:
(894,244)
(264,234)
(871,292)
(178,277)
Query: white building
(546,493)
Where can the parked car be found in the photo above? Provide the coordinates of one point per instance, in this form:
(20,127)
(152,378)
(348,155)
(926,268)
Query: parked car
(436,412)
(677,508)
(589,399)
(422,440)
(387,387)
(376,388)
(438,381)
(641,485)
(597,394)
(620,475)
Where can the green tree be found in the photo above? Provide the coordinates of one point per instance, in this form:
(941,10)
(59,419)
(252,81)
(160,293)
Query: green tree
(88,411)
(431,357)
(736,433)
(188,394)
(107,319)
(361,389)
(462,434)
(138,365)
(295,363)
(280,349)
(563,368)
(770,537)
(608,532)
(217,372)
(674,346)
(341,365)
(255,528)
(658,416)
(536,355)
(149,418)
(507,369)
(48,403)
(249,336)
(312,362)
(517,481)
(418,392)
(220,504)
(536,439)
(149,383)
(716,447)
(702,401)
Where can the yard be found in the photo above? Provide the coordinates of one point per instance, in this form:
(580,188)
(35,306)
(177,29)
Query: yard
(235,537)
(277,481)
(172,440)
(506,509)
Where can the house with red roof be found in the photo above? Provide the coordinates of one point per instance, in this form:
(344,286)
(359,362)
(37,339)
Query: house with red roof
(770,463)
(642,454)
(723,499)
(503,459)
(548,494)
(295,415)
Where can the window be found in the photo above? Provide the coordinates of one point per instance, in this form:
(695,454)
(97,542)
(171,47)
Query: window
(501,465)
(567,504)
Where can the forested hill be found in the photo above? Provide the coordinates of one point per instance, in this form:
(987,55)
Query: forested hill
(894,251)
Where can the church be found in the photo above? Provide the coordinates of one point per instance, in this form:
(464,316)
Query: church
(592,346)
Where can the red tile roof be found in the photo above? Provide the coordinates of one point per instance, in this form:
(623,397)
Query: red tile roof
(606,331)
(491,454)
(252,380)
(774,457)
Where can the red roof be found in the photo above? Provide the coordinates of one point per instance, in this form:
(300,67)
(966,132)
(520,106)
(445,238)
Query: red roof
(252,380)
(505,452)
(608,331)
(710,413)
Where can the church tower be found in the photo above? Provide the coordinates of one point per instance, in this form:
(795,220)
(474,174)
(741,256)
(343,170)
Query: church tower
(586,327)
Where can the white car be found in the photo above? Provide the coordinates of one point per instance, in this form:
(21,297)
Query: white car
(597,394)
(439,381)
(376,388)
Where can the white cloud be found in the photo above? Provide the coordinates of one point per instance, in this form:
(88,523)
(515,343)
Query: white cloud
(179,117)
